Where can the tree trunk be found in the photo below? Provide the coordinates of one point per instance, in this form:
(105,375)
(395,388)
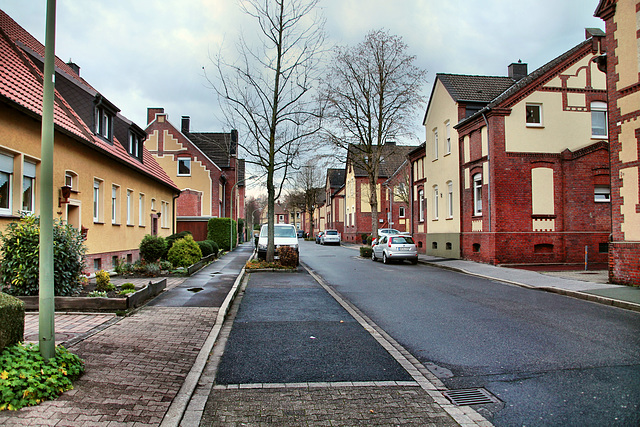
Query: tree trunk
(373,203)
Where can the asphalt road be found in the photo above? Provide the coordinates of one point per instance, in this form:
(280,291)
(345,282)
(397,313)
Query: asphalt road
(552,360)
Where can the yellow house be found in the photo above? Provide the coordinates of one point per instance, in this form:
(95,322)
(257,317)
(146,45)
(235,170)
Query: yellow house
(105,182)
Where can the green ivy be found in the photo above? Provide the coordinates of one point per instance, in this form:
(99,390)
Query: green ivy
(20,262)
(26,379)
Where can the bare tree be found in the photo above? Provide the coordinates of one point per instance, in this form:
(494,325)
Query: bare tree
(309,183)
(372,92)
(269,93)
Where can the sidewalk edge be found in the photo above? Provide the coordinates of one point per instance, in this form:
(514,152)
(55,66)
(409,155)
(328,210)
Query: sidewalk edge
(178,407)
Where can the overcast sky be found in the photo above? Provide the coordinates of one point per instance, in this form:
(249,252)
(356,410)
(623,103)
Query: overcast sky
(149,53)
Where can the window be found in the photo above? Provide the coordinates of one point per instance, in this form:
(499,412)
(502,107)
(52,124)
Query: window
(435,202)
(184,166)
(104,123)
(602,193)
(141,210)
(164,214)
(447,147)
(401,212)
(598,119)
(114,204)
(96,200)
(135,142)
(450,199)
(6,175)
(477,194)
(28,181)
(534,114)
(129,208)
(435,143)
(68,179)
(421,205)
(153,205)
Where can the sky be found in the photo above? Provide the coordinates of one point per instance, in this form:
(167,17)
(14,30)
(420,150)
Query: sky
(149,53)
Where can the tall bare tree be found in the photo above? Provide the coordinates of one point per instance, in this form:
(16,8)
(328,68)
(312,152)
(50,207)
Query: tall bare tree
(372,93)
(309,182)
(268,94)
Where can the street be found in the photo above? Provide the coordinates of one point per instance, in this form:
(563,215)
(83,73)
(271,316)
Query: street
(551,360)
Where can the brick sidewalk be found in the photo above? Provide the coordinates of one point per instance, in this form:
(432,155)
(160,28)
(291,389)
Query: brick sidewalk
(134,369)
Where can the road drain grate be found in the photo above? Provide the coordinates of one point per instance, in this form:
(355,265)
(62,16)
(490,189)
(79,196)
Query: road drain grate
(470,396)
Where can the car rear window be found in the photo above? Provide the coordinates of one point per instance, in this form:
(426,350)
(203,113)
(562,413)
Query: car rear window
(401,240)
(332,233)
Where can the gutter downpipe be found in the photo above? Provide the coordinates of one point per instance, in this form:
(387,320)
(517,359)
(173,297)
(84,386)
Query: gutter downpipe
(173,208)
(489,170)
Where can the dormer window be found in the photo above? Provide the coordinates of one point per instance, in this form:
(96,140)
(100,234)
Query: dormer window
(134,146)
(104,114)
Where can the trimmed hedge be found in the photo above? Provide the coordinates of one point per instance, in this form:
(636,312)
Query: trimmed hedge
(171,240)
(218,230)
(152,248)
(205,247)
(184,252)
(11,320)
(365,251)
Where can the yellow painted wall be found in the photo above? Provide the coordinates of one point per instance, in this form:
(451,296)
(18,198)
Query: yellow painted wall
(542,191)
(628,22)
(20,136)
(442,109)
(364,196)
(629,193)
(560,129)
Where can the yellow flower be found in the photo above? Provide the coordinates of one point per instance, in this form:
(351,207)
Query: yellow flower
(4,375)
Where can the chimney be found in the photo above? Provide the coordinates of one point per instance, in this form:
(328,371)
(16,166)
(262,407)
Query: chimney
(392,142)
(233,149)
(151,113)
(75,67)
(185,124)
(518,70)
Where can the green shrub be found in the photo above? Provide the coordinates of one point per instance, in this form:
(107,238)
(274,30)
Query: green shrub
(218,230)
(11,320)
(288,256)
(369,240)
(165,265)
(26,379)
(127,285)
(103,281)
(152,248)
(214,247)
(184,252)
(172,239)
(97,294)
(240,231)
(19,267)
(123,267)
(153,269)
(205,247)
(126,292)
(365,251)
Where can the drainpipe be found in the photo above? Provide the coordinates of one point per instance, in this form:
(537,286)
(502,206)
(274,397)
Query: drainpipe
(173,209)
(489,168)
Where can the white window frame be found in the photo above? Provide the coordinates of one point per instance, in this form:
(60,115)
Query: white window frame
(114,203)
(447,147)
(540,122)
(401,212)
(435,202)
(29,176)
(435,144)
(450,199)
(97,187)
(602,194)
(599,108)
(421,205)
(477,194)
(129,208)
(164,214)
(141,210)
(187,162)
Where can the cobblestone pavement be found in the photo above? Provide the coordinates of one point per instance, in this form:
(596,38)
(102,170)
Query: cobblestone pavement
(325,406)
(134,369)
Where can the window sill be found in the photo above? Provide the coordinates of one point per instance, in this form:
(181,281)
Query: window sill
(117,224)
(600,137)
(602,201)
(535,125)
(98,222)
(142,226)
(449,218)
(130,225)
(447,154)
(476,216)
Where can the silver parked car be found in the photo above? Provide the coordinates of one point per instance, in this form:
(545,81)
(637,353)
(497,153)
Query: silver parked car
(394,247)
(330,237)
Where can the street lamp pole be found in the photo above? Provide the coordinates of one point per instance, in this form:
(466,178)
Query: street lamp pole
(231,211)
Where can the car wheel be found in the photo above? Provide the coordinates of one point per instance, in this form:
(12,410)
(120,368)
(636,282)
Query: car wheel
(385,260)
(373,256)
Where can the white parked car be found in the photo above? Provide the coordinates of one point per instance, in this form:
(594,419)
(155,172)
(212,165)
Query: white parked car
(330,237)
(395,247)
(283,235)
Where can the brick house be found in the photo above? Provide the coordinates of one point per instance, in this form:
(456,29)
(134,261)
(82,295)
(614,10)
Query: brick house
(622,66)
(334,199)
(534,170)
(417,160)
(453,98)
(357,219)
(205,167)
(397,189)
(105,182)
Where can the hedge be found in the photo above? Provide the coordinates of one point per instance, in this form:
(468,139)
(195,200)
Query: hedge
(218,230)
(11,320)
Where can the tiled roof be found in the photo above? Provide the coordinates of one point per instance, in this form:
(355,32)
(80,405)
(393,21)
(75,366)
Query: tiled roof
(474,88)
(336,177)
(21,87)
(392,158)
(215,145)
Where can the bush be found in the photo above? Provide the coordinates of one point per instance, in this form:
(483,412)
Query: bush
(97,294)
(152,248)
(288,256)
(11,320)
(26,379)
(215,247)
(365,251)
(205,247)
(184,252)
(128,285)
(172,239)
(165,265)
(369,240)
(218,230)
(103,281)
(19,267)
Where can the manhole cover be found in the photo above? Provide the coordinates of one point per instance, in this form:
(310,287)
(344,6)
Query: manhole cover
(470,396)
(195,289)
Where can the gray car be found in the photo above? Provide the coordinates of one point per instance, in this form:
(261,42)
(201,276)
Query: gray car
(398,247)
